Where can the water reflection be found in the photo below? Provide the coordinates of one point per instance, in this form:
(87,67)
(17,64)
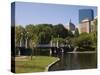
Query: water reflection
(87,60)
(71,61)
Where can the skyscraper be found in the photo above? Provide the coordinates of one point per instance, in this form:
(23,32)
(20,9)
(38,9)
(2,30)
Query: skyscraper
(71,26)
(85,18)
(85,26)
(86,14)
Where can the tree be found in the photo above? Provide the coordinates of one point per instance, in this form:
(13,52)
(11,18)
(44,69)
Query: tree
(44,33)
(76,34)
(59,30)
(31,37)
(60,40)
(70,34)
(33,43)
(19,34)
(84,40)
(30,31)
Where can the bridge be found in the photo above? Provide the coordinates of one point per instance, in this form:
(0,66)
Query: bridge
(53,49)
(56,49)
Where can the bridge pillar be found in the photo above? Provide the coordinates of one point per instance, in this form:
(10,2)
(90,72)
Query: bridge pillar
(21,42)
(19,53)
(62,50)
(51,44)
(50,52)
(55,50)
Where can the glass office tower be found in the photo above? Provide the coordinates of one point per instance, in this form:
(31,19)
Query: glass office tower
(86,14)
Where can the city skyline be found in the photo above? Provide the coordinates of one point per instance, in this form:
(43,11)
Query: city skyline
(40,13)
(86,14)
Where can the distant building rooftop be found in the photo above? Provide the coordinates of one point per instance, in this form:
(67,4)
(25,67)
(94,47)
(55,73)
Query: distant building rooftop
(85,20)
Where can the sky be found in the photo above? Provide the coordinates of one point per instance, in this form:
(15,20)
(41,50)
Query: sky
(40,13)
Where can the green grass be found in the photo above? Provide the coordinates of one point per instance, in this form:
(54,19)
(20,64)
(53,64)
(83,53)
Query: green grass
(37,64)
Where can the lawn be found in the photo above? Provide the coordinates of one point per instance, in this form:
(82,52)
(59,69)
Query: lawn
(37,64)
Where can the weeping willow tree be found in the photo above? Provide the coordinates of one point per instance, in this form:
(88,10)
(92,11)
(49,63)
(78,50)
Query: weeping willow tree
(33,43)
(32,37)
(19,34)
(19,37)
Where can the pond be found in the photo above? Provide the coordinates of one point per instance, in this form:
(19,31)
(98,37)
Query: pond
(72,61)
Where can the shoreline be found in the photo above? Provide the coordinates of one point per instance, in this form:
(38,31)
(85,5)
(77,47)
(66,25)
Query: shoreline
(83,52)
(47,68)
